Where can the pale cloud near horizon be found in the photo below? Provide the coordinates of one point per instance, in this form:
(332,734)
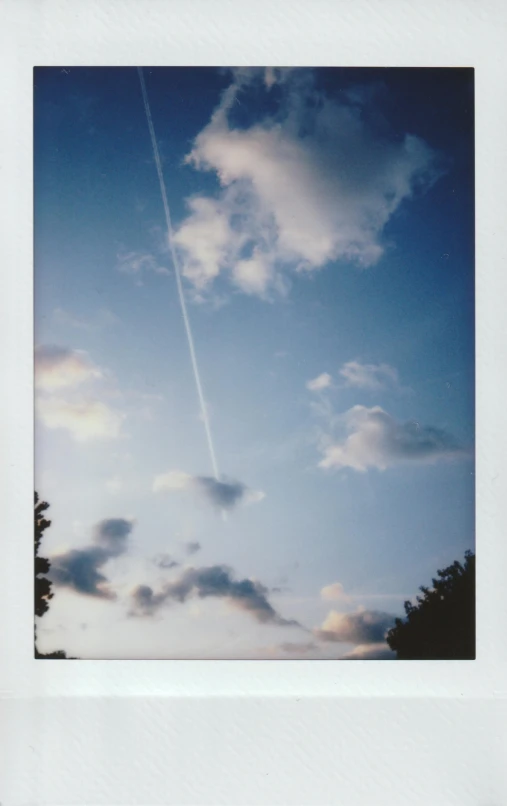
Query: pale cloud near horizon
(59,367)
(369,376)
(376,440)
(379,651)
(221,494)
(360,627)
(311,185)
(297,648)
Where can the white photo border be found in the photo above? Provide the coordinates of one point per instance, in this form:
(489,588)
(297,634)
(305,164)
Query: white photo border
(217,33)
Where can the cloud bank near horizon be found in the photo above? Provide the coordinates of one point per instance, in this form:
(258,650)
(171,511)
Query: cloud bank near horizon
(361,627)
(380,651)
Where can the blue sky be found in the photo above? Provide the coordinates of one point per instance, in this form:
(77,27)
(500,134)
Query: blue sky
(323,224)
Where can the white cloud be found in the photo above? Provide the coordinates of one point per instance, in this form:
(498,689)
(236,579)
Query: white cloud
(369,376)
(312,184)
(59,367)
(253,496)
(320,382)
(207,241)
(253,275)
(333,592)
(83,419)
(174,480)
(377,440)
(221,494)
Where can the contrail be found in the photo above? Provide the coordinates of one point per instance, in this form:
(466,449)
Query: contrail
(177,272)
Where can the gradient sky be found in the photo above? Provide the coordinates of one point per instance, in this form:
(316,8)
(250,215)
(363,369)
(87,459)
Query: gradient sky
(323,221)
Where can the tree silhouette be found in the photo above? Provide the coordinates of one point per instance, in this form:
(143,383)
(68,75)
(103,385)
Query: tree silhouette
(441,626)
(42,584)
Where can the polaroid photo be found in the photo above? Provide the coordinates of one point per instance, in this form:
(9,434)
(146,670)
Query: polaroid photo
(254,347)
(253,410)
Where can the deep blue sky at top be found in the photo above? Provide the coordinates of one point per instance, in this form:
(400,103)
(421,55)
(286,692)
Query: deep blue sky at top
(89,135)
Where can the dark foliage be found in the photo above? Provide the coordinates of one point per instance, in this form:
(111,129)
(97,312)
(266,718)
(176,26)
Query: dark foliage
(43,592)
(441,626)
(59,655)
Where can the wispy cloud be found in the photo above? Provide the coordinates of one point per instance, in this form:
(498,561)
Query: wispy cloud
(361,627)
(79,569)
(369,376)
(247,595)
(314,182)
(221,494)
(377,440)
(192,547)
(319,383)
(59,367)
(138,263)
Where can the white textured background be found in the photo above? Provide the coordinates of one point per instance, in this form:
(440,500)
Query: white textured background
(257,733)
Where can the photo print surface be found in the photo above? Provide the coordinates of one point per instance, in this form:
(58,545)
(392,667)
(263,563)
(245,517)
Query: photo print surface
(254,363)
